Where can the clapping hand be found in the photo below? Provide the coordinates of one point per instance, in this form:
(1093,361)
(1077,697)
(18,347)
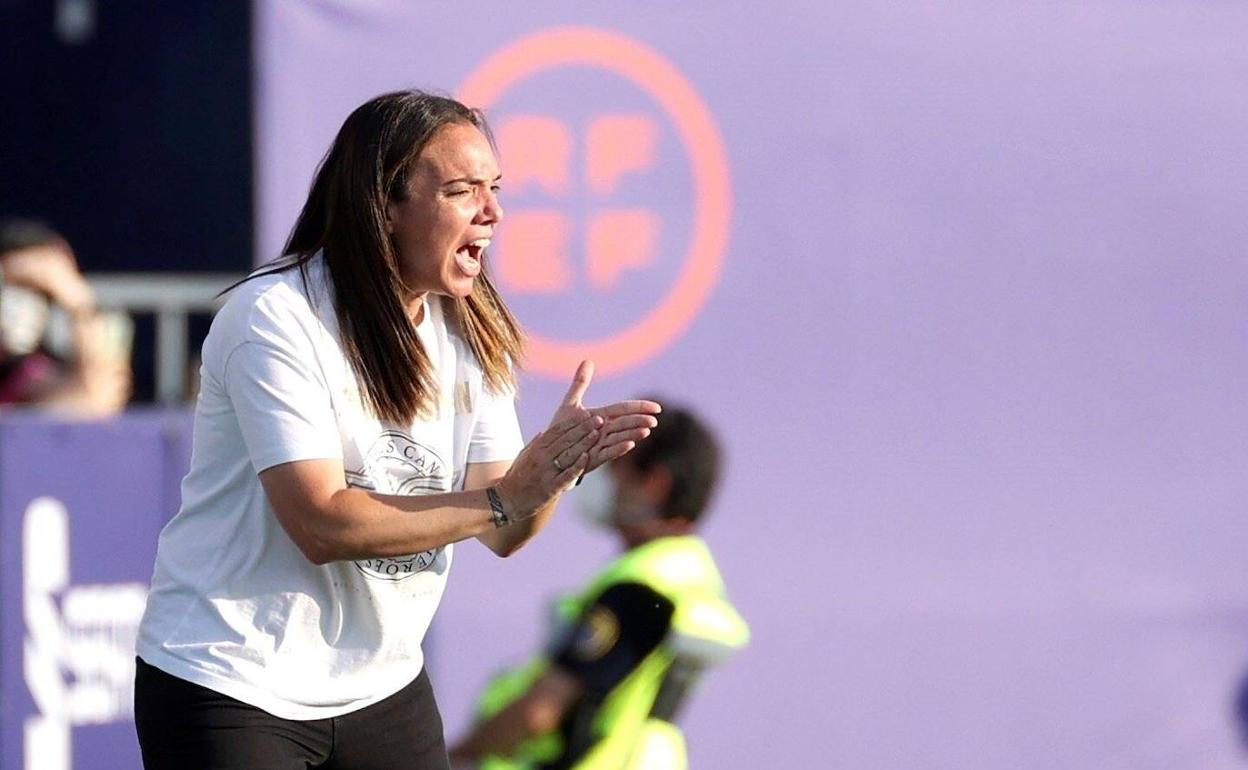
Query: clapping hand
(578,440)
(624,423)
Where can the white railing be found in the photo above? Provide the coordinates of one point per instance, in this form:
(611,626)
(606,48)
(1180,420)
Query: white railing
(171,298)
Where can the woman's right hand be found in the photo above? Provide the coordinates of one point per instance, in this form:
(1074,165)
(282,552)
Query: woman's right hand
(548,466)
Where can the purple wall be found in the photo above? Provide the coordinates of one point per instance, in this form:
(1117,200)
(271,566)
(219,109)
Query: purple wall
(976,340)
(81,505)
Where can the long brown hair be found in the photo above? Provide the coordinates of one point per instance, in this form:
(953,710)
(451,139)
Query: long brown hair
(345,217)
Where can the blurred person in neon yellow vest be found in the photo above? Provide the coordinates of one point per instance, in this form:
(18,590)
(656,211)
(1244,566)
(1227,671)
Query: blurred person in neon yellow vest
(628,649)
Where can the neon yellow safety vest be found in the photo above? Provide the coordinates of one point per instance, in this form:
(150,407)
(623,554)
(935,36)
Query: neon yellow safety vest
(705,629)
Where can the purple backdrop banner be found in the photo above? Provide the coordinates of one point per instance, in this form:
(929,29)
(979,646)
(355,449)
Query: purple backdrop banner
(81,505)
(962,286)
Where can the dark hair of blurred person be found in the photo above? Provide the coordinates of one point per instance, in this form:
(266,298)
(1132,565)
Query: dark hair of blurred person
(39,279)
(684,455)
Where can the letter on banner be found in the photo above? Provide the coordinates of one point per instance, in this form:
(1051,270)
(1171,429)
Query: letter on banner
(79,652)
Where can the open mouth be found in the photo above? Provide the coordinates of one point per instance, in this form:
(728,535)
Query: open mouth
(468,258)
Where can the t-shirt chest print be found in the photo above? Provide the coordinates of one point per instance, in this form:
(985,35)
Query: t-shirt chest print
(397,464)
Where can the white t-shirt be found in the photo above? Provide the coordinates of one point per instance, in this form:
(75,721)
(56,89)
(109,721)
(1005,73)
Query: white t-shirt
(235,606)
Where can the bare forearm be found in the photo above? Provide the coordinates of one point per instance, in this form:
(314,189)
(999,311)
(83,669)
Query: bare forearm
(538,711)
(500,735)
(505,541)
(332,523)
(358,524)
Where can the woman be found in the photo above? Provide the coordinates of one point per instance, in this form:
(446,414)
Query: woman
(355,420)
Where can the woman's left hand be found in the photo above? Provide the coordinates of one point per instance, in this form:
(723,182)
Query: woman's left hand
(624,422)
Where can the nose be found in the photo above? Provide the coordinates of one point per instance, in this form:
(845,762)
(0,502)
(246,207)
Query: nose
(491,210)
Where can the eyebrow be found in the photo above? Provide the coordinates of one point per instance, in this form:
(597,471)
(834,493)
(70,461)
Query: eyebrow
(470,180)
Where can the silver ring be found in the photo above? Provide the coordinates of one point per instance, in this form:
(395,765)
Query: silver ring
(558,467)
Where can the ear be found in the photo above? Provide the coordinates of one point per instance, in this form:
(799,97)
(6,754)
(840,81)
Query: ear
(656,485)
(391,214)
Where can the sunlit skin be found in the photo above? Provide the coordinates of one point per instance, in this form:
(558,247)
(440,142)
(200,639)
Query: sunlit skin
(639,495)
(440,231)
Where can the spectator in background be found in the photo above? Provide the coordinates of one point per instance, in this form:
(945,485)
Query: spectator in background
(85,376)
(631,645)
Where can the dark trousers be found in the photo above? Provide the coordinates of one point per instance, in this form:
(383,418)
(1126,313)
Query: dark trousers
(183,726)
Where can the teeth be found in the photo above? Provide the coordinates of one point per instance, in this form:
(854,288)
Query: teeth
(480,243)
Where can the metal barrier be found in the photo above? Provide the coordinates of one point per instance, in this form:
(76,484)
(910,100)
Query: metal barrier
(171,298)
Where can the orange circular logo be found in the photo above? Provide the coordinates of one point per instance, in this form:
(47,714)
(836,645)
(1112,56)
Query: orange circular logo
(617,143)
